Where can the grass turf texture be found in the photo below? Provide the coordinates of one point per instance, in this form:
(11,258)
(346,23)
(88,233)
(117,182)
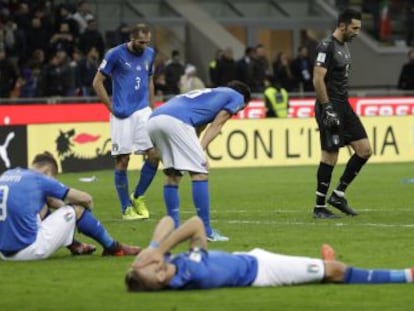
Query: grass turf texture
(256,207)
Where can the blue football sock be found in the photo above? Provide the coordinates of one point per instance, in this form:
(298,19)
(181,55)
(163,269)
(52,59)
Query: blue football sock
(148,172)
(121,185)
(201,199)
(376,276)
(172,203)
(91,227)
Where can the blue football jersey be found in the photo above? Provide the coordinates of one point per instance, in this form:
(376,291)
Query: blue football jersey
(201,269)
(23,194)
(200,107)
(130,75)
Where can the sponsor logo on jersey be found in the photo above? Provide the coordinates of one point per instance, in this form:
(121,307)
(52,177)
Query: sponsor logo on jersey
(313,268)
(321,57)
(68,216)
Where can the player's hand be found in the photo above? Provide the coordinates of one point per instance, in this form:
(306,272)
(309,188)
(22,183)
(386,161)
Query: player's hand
(330,117)
(147,256)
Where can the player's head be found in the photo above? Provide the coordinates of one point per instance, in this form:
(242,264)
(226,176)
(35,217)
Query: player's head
(242,88)
(46,163)
(151,277)
(349,24)
(140,36)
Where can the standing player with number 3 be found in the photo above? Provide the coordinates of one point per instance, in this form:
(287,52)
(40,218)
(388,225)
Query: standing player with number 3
(338,124)
(130,67)
(174,129)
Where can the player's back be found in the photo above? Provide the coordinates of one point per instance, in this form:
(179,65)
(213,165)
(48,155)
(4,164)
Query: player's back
(21,199)
(199,107)
(335,56)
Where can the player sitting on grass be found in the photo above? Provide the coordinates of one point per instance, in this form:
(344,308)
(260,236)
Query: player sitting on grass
(27,232)
(154,268)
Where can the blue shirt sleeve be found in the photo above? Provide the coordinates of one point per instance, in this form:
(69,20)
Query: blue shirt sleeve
(52,187)
(108,63)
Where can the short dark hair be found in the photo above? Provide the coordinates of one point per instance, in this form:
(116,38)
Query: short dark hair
(139,28)
(348,15)
(46,158)
(242,88)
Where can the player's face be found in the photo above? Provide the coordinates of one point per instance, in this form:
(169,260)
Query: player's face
(351,30)
(153,276)
(140,42)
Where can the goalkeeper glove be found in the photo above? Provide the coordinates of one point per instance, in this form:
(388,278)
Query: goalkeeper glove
(330,117)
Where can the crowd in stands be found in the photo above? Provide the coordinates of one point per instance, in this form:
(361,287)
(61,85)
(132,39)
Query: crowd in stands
(54,50)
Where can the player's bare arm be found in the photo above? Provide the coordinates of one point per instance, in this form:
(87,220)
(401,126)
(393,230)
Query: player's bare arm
(99,87)
(214,129)
(78,197)
(319,74)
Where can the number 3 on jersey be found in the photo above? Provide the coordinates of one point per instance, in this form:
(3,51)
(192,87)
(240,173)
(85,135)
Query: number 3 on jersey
(138,83)
(4,192)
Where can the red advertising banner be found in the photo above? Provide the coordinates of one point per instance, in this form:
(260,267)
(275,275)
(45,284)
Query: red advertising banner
(96,112)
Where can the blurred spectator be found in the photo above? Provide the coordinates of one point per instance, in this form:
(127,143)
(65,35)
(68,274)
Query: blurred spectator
(62,40)
(121,35)
(260,69)
(82,15)
(409,20)
(406,79)
(245,67)
(276,99)
(91,37)
(22,17)
(226,68)
(189,80)
(174,69)
(37,36)
(87,70)
(43,11)
(282,71)
(8,75)
(56,77)
(160,86)
(13,39)
(63,15)
(302,71)
(212,68)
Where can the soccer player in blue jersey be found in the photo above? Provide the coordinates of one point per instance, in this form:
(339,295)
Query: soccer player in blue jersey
(130,67)
(156,269)
(28,233)
(174,128)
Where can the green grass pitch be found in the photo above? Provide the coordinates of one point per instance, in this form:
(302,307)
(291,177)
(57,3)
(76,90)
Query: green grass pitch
(256,207)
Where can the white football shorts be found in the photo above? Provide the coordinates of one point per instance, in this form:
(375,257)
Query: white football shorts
(177,144)
(129,135)
(278,270)
(55,231)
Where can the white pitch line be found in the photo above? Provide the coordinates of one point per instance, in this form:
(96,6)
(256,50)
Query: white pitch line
(281,223)
(289,211)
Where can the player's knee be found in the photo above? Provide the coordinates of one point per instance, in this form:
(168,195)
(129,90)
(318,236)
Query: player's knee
(365,153)
(152,157)
(79,210)
(173,177)
(199,176)
(334,271)
(122,161)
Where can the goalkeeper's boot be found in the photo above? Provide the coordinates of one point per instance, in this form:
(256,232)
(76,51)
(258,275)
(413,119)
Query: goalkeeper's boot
(130,214)
(342,204)
(322,212)
(139,206)
(79,248)
(120,249)
(327,252)
(215,236)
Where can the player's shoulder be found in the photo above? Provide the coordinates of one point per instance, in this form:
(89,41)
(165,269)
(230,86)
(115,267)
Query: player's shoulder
(326,43)
(116,49)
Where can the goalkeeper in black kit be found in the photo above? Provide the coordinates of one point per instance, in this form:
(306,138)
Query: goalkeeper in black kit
(338,124)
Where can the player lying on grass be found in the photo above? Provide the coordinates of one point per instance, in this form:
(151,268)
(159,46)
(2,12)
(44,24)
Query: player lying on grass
(28,232)
(155,269)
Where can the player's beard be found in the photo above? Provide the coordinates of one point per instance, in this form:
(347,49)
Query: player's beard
(138,49)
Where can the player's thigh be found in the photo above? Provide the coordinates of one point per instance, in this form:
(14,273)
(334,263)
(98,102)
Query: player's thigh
(278,270)
(140,138)
(56,231)
(121,135)
(354,130)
